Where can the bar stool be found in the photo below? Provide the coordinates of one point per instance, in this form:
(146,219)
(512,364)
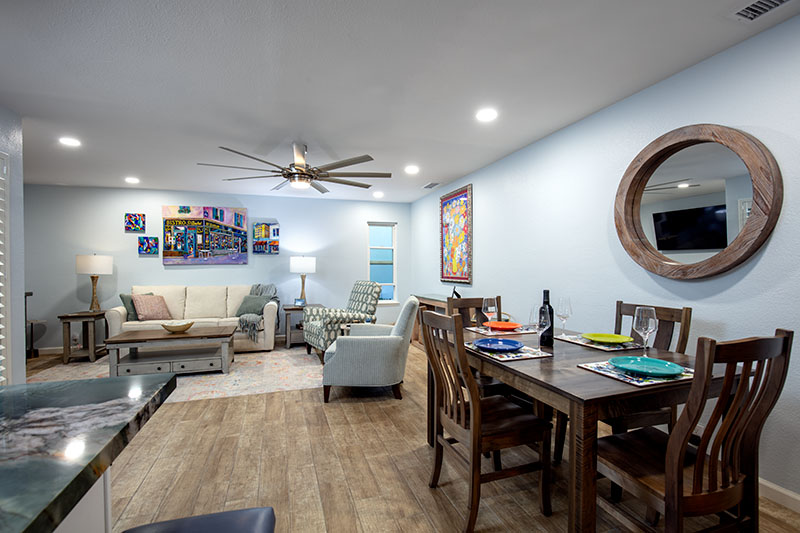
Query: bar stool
(255,520)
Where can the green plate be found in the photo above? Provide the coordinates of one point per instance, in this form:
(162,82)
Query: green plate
(646,366)
(607,338)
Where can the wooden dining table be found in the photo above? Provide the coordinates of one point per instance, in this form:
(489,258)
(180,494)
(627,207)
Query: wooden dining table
(586,397)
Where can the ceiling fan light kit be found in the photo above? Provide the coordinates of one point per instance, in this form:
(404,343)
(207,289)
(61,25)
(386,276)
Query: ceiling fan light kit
(301,176)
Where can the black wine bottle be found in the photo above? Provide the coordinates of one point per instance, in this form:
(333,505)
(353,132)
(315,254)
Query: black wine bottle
(547,335)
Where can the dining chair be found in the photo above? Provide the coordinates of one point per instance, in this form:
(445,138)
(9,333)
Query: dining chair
(479,424)
(680,475)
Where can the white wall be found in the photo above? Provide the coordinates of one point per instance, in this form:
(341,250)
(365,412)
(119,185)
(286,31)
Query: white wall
(543,216)
(61,222)
(11,144)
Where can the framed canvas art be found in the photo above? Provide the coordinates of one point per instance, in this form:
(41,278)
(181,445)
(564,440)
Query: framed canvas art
(134,223)
(204,235)
(266,237)
(455,235)
(148,245)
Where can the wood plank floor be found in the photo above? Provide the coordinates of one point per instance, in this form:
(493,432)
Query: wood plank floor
(359,463)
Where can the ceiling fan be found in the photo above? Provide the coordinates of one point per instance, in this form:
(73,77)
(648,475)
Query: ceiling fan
(668,185)
(302,176)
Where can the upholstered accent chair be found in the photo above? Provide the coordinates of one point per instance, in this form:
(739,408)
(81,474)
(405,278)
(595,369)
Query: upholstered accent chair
(373,355)
(321,325)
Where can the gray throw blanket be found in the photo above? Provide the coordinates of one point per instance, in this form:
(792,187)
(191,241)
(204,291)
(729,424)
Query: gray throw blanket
(249,322)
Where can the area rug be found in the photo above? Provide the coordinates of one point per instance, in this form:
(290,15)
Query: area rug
(251,373)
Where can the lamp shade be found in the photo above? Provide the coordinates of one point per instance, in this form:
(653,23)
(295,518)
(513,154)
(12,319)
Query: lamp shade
(302,264)
(94,265)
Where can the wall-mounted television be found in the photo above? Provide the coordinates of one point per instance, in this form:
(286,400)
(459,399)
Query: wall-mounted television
(700,228)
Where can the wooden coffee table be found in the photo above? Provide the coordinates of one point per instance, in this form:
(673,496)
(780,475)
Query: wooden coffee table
(197,350)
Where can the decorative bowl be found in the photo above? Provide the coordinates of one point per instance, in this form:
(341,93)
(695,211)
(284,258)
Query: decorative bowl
(177,327)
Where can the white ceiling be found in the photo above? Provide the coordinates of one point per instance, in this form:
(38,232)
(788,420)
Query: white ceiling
(153,87)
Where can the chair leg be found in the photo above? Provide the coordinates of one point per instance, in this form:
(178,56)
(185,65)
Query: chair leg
(438,450)
(308,349)
(474,490)
(545,475)
(326,393)
(616,490)
(396,390)
(561,436)
(497,462)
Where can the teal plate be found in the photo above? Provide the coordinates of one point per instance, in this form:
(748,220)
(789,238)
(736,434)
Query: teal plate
(646,366)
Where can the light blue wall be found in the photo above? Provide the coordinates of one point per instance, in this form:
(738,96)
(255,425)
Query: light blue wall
(61,222)
(11,144)
(543,216)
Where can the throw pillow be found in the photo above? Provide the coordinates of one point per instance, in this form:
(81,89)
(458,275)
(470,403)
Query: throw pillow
(151,307)
(127,301)
(252,304)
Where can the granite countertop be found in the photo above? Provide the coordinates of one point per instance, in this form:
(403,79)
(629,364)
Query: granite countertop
(57,439)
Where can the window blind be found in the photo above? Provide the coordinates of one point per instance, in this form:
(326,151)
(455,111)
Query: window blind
(3,265)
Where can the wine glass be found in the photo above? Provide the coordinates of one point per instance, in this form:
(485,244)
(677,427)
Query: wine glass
(563,312)
(490,310)
(645,323)
(539,321)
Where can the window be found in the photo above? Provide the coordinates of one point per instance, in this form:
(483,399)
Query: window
(4,175)
(383,258)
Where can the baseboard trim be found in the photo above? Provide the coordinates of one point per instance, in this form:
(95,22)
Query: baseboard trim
(778,494)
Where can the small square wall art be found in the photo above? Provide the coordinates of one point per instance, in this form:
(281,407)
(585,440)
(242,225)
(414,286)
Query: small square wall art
(266,237)
(134,223)
(148,245)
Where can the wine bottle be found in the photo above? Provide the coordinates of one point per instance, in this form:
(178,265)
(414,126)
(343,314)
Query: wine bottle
(547,335)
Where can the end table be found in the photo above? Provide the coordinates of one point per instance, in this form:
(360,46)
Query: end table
(294,334)
(89,345)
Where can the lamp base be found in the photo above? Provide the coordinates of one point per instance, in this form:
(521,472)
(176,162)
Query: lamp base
(303,287)
(95,306)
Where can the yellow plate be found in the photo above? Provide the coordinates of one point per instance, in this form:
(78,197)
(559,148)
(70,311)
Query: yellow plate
(606,338)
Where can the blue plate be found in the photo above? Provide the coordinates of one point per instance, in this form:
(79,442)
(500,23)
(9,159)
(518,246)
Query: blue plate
(646,366)
(498,345)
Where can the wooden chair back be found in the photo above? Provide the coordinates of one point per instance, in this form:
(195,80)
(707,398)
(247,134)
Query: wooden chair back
(667,318)
(457,395)
(471,310)
(726,463)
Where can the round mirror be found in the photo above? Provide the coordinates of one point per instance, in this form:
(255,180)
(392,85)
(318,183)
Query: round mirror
(698,201)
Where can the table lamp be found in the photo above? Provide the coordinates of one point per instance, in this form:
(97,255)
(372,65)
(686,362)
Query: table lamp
(94,265)
(301,264)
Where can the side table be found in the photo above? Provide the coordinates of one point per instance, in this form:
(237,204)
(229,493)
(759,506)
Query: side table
(294,334)
(89,345)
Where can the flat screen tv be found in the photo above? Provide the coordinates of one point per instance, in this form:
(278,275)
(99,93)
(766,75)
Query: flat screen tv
(700,228)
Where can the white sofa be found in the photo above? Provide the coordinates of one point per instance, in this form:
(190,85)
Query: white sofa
(206,306)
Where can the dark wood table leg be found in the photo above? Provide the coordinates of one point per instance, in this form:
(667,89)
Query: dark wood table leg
(92,339)
(65,338)
(583,467)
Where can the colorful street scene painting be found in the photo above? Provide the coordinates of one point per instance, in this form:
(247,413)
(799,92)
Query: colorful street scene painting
(148,245)
(266,237)
(134,223)
(455,218)
(198,235)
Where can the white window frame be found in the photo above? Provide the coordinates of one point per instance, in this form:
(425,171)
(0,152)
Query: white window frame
(393,225)
(5,354)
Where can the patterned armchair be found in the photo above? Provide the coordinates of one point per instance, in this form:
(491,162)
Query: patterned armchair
(321,325)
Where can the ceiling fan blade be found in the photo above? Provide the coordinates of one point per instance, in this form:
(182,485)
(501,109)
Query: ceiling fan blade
(251,178)
(667,183)
(242,168)
(346,162)
(280,185)
(319,187)
(668,188)
(357,174)
(251,157)
(300,151)
(345,182)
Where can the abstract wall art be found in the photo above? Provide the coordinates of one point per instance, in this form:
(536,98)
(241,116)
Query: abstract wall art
(134,223)
(266,237)
(202,235)
(148,245)
(455,235)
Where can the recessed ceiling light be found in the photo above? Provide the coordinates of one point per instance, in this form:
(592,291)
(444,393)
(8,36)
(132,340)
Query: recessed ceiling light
(72,142)
(412,169)
(377,194)
(683,185)
(133,180)
(487,114)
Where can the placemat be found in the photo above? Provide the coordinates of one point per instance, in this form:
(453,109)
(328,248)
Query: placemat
(525,352)
(577,339)
(522,330)
(607,369)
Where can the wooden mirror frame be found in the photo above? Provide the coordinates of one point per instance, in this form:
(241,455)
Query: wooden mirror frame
(767,199)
